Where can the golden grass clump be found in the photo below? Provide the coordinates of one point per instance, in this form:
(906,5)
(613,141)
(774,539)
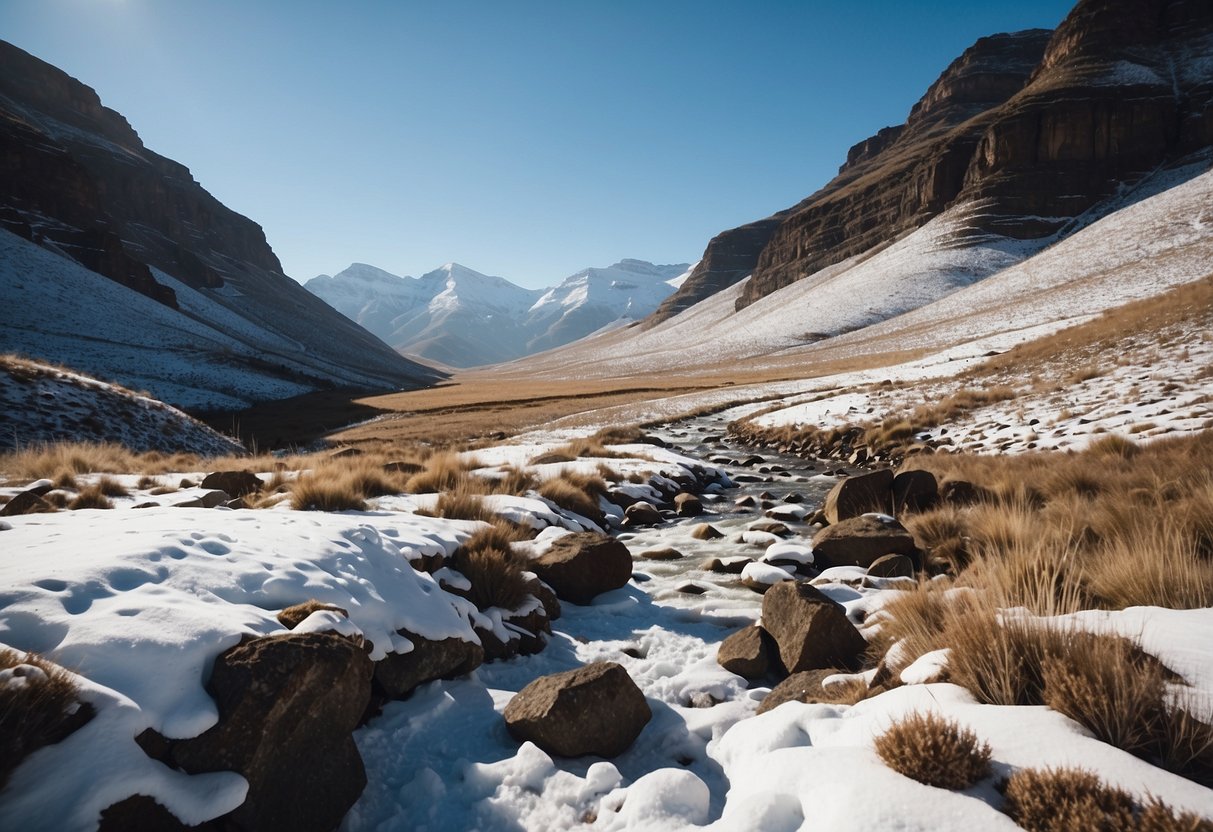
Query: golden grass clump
(460,505)
(493,569)
(313,493)
(934,751)
(1066,800)
(91,497)
(447,471)
(110,487)
(37,706)
(914,619)
(577,493)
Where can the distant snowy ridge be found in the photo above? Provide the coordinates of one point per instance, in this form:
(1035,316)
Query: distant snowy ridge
(462,318)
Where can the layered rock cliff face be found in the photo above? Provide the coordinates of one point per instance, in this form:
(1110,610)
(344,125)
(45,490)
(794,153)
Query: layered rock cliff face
(1036,127)
(79,182)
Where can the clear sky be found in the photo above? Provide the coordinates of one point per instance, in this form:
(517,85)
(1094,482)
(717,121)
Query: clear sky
(525,139)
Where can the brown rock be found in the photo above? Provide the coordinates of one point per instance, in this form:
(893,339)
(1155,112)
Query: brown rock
(287,707)
(26,502)
(211,499)
(914,490)
(687,505)
(809,629)
(770,527)
(748,652)
(706,531)
(398,674)
(804,686)
(546,596)
(858,495)
(642,514)
(859,541)
(293,616)
(963,493)
(583,565)
(596,709)
(892,566)
(662,554)
(234,483)
(726,566)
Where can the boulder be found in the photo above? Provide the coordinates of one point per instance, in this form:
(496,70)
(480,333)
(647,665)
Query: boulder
(860,541)
(287,706)
(234,483)
(596,709)
(804,686)
(963,493)
(706,531)
(770,527)
(726,566)
(642,513)
(211,499)
(914,490)
(858,495)
(810,630)
(26,502)
(749,653)
(546,596)
(667,553)
(691,588)
(293,616)
(582,565)
(892,566)
(687,505)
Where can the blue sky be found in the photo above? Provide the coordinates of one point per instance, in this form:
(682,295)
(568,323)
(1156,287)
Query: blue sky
(525,139)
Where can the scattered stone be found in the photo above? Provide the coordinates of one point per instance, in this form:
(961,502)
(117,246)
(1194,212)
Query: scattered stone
(748,653)
(287,708)
(858,495)
(745,502)
(810,630)
(293,616)
(860,541)
(914,490)
(642,513)
(692,589)
(27,502)
(582,565)
(662,554)
(194,503)
(794,497)
(804,686)
(233,483)
(687,505)
(751,461)
(726,566)
(706,531)
(892,566)
(770,527)
(546,596)
(596,709)
(146,505)
(398,674)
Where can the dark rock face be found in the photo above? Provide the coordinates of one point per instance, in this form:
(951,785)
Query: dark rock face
(583,565)
(596,709)
(860,541)
(749,653)
(810,630)
(26,502)
(79,181)
(235,483)
(1041,126)
(287,707)
(892,566)
(860,494)
(398,674)
(914,490)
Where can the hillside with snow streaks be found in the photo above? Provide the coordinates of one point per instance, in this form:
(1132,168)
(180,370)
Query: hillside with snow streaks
(461,318)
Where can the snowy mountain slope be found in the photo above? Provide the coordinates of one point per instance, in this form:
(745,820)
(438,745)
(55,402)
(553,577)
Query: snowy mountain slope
(463,318)
(924,291)
(204,355)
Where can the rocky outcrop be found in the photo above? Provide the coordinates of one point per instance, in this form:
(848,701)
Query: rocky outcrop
(583,565)
(810,630)
(287,707)
(596,709)
(1039,127)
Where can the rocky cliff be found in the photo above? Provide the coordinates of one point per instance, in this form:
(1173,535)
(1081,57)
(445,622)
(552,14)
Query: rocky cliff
(78,182)
(1036,127)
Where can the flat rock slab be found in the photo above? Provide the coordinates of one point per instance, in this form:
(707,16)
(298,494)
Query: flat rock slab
(596,709)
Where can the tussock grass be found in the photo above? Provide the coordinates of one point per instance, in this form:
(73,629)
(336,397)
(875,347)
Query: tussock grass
(110,487)
(1076,800)
(935,751)
(36,703)
(460,505)
(447,471)
(492,567)
(92,496)
(577,493)
(312,493)
(914,619)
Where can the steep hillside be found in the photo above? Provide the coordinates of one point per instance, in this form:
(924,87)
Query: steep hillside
(80,184)
(1038,129)
(462,318)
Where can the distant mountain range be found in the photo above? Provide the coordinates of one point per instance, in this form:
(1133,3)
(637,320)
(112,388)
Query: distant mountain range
(461,318)
(114,260)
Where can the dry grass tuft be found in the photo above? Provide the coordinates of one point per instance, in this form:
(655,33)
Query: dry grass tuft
(312,493)
(1066,800)
(446,471)
(495,572)
(460,505)
(91,497)
(110,487)
(38,702)
(934,751)
(577,493)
